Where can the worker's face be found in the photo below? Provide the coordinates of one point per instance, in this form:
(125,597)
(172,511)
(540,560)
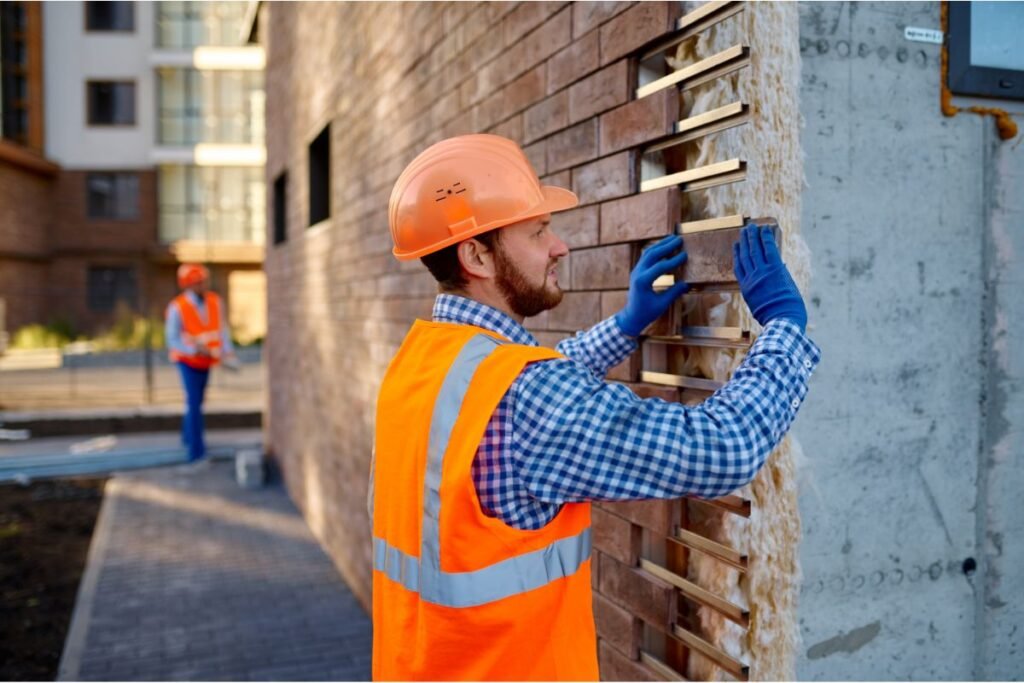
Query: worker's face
(526,258)
(199,287)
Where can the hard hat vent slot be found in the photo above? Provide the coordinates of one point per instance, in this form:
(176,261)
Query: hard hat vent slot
(443,193)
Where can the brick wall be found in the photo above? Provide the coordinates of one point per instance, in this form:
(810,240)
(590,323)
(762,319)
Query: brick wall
(25,222)
(392,79)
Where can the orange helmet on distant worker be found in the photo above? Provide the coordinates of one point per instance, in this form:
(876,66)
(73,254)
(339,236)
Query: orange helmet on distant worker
(191,273)
(465,186)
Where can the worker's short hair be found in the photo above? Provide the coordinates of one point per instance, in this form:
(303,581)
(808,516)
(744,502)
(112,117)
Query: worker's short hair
(445,267)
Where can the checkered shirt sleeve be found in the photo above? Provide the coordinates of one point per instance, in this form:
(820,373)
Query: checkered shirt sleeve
(561,434)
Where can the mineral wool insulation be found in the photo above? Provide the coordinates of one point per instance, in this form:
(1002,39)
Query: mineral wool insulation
(771,145)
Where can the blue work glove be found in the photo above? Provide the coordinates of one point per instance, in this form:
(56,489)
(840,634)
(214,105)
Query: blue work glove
(764,280)
(644,305)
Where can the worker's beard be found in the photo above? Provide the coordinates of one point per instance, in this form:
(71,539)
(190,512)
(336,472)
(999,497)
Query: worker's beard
(524,298)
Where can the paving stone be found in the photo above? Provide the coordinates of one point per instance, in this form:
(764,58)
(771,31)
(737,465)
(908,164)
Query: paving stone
(201,580)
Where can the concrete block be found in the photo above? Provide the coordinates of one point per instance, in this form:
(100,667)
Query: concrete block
(249,470)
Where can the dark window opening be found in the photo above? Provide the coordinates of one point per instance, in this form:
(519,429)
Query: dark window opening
(320,177)
(280,214)
(111,103)
(110,16)
(14,67)
(112,196)
(106,286)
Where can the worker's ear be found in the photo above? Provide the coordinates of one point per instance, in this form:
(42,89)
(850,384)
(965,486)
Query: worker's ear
(476,259)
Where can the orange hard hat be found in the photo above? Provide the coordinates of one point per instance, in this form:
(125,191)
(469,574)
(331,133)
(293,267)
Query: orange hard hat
(465,186)
(191,273)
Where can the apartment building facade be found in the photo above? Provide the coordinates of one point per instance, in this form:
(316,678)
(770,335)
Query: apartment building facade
(153,120)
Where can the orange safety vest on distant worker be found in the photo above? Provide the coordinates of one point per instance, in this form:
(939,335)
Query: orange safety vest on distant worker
(457,594)
(195,328)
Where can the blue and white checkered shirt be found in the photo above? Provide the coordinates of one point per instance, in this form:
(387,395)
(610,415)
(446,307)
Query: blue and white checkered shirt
(562,434)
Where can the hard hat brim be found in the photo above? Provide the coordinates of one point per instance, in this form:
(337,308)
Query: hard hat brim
(555,199)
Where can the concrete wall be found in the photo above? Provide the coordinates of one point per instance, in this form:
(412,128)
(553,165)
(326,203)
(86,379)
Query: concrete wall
(914,426)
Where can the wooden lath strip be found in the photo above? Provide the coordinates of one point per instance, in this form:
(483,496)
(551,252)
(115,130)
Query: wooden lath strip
(659,667)
(720,552)
(683,381)
(709,224)
(729,610)
(712,342)
(723,118)
(734,504)
(717,65)
(691,177)
(707,332)
(733,666)
(700,19)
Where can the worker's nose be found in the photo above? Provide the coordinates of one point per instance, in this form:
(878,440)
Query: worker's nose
(558,248)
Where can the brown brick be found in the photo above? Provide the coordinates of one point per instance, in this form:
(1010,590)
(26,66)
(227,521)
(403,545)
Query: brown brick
(552,36)
(607,178)
(617,627)
(578,311)
(613,302)
(655,515)
(599,92)
(537,154)
(638,121)
(615,536)
(511,128)
(525,90)
(526,17)
(546,116)
(572,146)
(635,27)
(626,371)
(562,179)
(573,63)
(590,15)
(578,227)
(642,594)
(601,267)
(641,216)
(614,666)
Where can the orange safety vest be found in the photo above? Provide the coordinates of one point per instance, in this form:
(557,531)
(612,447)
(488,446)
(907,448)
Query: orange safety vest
(457,594)
(195,328)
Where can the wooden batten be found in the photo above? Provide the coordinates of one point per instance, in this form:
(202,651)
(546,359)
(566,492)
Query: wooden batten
(732,666)
(698,178)
(729,610)
(734,504)
(720,552)
(659,667)
(709,224)
(682,381)
(718,65)
(697,21)
(702,125)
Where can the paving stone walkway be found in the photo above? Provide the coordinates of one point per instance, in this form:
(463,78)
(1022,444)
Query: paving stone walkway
(190,577)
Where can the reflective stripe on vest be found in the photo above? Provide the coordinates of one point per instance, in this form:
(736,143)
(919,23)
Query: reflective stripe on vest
(503,579)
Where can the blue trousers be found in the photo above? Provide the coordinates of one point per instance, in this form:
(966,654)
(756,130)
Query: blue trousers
(192,425)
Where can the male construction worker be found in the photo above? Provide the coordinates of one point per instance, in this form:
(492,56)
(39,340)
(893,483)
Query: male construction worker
(490,448)
(197,339)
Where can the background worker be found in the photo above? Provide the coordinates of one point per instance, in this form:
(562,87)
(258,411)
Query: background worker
(489,448)
(197,339)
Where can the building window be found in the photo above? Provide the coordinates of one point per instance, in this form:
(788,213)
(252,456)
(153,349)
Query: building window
(110,16)
(189,24)
(224,107)
(106,286)
(14,67)
(111,103)
(986,57)
(320,177)
(280,210)
(212,203)
(112,196)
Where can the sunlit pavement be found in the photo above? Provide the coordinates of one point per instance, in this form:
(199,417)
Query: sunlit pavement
(191,577)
